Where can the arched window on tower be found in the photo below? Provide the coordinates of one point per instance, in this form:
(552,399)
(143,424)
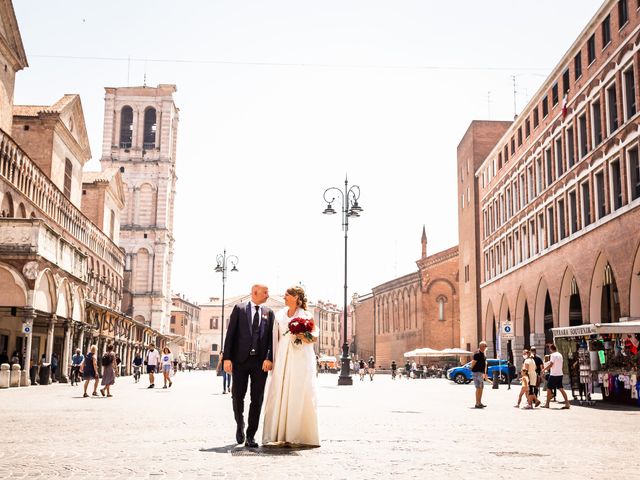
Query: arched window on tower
(126,127)
(149,128)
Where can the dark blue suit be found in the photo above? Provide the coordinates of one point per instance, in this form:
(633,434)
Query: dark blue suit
(248,364)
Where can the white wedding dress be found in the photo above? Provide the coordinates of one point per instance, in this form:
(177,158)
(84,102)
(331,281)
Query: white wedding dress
(291,413)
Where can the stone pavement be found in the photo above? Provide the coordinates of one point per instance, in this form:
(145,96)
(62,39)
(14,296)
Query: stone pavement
(403,428)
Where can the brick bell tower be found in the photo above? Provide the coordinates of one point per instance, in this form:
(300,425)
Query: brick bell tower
(140,133)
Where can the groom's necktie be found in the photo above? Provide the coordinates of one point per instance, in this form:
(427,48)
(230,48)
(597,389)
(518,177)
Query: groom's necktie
(255,331)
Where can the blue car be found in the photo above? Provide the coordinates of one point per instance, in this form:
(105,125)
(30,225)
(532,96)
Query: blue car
(462,374)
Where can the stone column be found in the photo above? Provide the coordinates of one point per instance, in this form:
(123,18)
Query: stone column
(66,355)
(28,320)
(81,340)
(518,346)
(52,326)
(537,340)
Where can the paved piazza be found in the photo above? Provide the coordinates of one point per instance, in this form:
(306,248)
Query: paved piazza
(408,428)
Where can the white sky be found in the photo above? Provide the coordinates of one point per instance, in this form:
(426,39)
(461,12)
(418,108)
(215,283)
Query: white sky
(279,100)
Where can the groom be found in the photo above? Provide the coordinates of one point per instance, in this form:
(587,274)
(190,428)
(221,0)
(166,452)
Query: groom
(247,355)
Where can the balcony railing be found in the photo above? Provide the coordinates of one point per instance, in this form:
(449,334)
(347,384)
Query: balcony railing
(29,236)
(25,176)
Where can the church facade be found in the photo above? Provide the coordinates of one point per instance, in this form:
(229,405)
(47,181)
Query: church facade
(420,309)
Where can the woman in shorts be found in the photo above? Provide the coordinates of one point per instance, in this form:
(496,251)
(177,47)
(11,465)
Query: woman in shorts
(167,360)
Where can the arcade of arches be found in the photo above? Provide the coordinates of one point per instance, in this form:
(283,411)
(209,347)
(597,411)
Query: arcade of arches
(602,289)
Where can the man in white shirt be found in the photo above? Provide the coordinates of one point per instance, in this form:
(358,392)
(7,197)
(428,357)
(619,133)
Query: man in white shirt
(555,376)
(153,360)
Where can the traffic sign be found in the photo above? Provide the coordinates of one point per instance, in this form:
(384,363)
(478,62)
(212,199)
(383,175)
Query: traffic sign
(507,330)
(26,328)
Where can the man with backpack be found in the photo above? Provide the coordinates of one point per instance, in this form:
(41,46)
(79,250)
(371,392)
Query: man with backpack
(153,360)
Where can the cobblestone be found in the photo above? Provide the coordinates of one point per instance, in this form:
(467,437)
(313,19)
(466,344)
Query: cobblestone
(405,429)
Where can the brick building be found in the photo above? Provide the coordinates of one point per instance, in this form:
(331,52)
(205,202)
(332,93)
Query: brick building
(548,208)
(413,311)
(61,270)
(184,326)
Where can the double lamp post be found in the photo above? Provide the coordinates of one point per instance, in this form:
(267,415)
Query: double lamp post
(223,261)
(349,209)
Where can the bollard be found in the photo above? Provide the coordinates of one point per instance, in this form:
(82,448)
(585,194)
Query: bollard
(4,375)
(15,375)
(24,378)
(496,380)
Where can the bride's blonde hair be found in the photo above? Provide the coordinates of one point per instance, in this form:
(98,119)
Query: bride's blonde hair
(298,292)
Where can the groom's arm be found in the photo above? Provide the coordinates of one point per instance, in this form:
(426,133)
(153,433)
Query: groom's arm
(268,362)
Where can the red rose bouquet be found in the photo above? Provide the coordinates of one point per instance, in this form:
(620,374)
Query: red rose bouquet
(303,326)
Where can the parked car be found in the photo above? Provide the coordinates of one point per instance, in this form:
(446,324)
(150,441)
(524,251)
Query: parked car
(462,374)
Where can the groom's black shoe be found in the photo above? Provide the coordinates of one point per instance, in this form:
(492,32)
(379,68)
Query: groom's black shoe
(240,434)
(251,443)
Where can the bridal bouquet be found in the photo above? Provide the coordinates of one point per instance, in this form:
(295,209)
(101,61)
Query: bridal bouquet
(302,326)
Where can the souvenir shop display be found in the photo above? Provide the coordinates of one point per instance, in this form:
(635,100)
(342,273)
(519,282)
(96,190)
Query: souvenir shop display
(602,359)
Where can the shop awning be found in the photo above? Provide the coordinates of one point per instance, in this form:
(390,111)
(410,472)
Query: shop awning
(632,326)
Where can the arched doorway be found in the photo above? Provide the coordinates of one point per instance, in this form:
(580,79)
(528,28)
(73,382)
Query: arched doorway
(604,301)
(548,322)
(575,305)
(609,304)
(526,327)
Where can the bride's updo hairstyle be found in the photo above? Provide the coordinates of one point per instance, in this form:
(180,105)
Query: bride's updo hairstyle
(301,297)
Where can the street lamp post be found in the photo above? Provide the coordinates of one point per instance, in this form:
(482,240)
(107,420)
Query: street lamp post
(350,208)
(222,261)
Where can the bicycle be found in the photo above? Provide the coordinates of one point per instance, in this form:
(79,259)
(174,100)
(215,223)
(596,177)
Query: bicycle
(136,373)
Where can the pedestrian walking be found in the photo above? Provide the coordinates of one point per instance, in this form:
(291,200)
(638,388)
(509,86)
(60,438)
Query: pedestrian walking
(407,369)
(394,369)
(76,361)
(167,362)
(361,369)
(372,368)
(529,373)
(137,366)
(555,376)
(226,377)
(54,367)
(479,372)
(152,363)
(539,366)
(108,362)
(89,369)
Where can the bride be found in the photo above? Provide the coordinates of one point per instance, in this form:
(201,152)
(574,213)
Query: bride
(291,416)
